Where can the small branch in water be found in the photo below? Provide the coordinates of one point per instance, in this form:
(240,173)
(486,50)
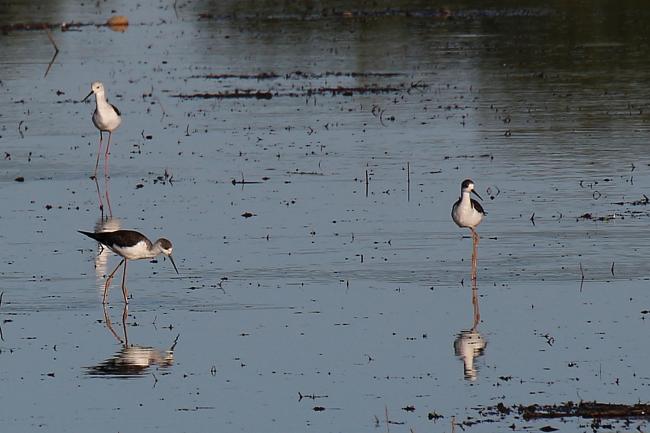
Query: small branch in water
(171,349)
(51,38)
(2,337)
(612,270)
(164,113)
(582,279)
(408,181)
(386,417)
(56,50)
(366,183)
(311,396)
(243,181)
(255,94)
(532,218)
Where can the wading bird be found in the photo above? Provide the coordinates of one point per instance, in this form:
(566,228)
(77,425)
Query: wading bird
(106,118)
(130,245)
(469,213)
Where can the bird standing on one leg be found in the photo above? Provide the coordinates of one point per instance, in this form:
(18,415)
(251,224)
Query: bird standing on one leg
(106,118)
(467,212)
(130,245)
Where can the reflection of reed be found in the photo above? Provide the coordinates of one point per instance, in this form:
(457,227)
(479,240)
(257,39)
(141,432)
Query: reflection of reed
(131,360)
(469,344)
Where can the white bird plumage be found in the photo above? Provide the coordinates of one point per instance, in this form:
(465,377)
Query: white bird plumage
(130,245)
(467,212)
(106,118)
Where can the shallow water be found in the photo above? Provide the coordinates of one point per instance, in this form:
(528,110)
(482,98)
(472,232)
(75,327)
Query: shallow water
(351,299)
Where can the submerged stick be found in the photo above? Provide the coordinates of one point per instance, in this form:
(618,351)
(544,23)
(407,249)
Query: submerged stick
(366,183)
(582,279)
(171,349)
(51,38)
(408,181)
(56,50)
(2,337)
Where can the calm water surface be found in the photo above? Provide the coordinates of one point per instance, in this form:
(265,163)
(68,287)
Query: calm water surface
(361,303)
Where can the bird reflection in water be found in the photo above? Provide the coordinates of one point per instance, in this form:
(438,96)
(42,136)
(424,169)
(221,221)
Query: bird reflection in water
(132,360)
(107,197)
(109,224)
(469,343)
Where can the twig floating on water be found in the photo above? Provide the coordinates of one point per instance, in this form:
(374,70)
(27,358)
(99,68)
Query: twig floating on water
(51,38)
(582,279)
(366,183)
(56,50)
(227,95)
(408,181)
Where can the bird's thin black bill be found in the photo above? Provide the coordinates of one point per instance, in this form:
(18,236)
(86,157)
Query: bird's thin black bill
(173,264)
(476,194)
(87,96)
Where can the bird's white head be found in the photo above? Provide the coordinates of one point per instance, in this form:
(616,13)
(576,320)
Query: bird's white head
(165,247)
(468,187)
(97,88)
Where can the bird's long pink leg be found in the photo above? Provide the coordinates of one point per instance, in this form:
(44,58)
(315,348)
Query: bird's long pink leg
(475,241)
(99,151)
(109,279)
(125,291)
(107,154)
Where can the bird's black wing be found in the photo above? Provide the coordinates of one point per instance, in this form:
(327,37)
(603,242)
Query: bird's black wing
(116,238)
(476,205)
(115,108)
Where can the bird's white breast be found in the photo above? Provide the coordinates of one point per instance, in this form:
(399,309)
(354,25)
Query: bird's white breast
(464,215)
(134,252)
(105,117)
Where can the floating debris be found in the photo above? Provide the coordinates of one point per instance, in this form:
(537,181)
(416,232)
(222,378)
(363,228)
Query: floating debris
(585,410)
(256,94)
(641,202)
(118,23)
